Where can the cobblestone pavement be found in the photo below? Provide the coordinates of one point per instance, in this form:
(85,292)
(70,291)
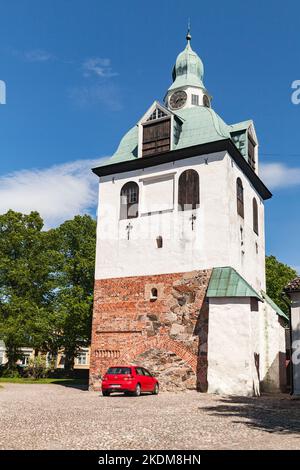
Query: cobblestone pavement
(58,417)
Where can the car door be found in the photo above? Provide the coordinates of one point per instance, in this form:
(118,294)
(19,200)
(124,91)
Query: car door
(149,382)
(141,378)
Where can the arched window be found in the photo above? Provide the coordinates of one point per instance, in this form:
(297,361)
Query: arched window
(129,207)
(188,190)
(255,215)
(240,197)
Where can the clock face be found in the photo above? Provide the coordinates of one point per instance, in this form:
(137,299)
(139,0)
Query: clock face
(178,99)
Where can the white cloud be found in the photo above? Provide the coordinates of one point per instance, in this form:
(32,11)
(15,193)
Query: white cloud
(99,67)
(279,175)
(38,55)
(106,94)
(58,193)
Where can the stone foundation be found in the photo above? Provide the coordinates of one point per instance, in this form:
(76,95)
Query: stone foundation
(167,334)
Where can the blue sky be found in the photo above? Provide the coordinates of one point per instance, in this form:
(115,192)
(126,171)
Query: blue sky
(80,73)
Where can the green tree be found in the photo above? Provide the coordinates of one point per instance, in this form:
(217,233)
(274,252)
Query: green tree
(26,283)
(76,244)
(278,275)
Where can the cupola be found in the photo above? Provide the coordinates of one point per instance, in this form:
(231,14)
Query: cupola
(188,69)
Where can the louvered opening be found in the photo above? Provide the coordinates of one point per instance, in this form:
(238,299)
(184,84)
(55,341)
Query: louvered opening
(156,136)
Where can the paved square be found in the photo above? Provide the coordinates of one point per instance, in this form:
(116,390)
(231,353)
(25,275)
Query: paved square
(59,417)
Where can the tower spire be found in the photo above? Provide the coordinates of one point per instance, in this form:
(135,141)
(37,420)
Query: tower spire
(188,34)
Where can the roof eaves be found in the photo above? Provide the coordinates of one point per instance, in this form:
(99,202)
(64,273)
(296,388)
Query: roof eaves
(274,305)
(227,282)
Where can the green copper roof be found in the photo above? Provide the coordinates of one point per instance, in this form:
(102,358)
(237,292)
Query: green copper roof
(200,125)
(274,306)
(226,282)
(188,69)
(240,126)
(128,148)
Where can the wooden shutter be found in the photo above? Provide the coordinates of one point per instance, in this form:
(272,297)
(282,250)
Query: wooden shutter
(156,136)
(188,190)
(251,152)
(255,216)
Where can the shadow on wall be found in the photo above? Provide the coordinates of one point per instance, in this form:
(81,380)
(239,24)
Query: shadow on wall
(275,379)
(271,414)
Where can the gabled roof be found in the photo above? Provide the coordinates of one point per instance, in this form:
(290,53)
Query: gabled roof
(155,105)
(227,282)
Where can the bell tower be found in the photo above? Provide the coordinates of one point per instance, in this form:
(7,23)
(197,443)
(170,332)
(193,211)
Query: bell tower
(187,89)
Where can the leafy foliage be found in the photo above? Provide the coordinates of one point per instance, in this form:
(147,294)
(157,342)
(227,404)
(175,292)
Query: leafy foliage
(278,275)
(46,284)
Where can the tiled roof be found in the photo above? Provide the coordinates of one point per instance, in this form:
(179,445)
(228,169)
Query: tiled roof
(293,286)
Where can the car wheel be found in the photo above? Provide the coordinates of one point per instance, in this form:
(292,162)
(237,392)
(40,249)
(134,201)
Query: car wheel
(137,391)
(156,389)
(105,394)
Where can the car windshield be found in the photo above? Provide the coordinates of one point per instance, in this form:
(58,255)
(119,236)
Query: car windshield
(118,370)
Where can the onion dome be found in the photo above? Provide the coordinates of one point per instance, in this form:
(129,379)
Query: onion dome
(188,69)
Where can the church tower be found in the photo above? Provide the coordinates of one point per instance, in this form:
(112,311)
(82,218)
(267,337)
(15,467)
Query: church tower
(180,259)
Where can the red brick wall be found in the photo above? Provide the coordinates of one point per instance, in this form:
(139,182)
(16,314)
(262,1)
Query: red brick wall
(126,323)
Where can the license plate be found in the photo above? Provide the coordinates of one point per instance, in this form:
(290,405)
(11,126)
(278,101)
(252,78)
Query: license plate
(115,386)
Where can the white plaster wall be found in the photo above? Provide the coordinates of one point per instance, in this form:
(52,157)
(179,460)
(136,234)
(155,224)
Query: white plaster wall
(244,347)
(215,240)
(295,325)
(247,253)
(272,349)
(230,356)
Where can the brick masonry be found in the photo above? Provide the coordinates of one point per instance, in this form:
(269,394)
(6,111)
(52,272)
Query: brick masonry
(168,334)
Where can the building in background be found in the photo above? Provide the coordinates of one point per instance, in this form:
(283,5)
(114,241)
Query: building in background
(82,360)
(180,264)
(293,291)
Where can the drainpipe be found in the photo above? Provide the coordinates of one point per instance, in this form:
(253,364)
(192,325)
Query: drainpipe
(283,296)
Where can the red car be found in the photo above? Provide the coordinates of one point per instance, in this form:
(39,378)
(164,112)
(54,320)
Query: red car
(132,380)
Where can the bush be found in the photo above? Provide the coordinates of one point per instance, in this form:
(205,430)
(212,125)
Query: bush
(36,368)
(10,373)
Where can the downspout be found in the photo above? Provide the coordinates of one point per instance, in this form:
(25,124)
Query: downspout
(283,294)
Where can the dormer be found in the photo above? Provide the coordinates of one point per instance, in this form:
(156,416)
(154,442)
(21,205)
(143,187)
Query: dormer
(244,136)
(159,128)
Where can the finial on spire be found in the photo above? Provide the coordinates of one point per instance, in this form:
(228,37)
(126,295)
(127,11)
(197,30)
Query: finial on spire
(188,35)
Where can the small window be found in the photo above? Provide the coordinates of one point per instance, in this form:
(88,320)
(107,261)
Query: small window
(206,101)
(139,371)
(254,304)
(129,204)
(119,371)
(251,152)
(157,114)
(154,294)
(240,197)
(188,190)
(25,359)
(255,216)
(82,358)
(195,100)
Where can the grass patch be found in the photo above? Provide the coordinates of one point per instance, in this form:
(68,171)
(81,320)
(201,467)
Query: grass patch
(21,380)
